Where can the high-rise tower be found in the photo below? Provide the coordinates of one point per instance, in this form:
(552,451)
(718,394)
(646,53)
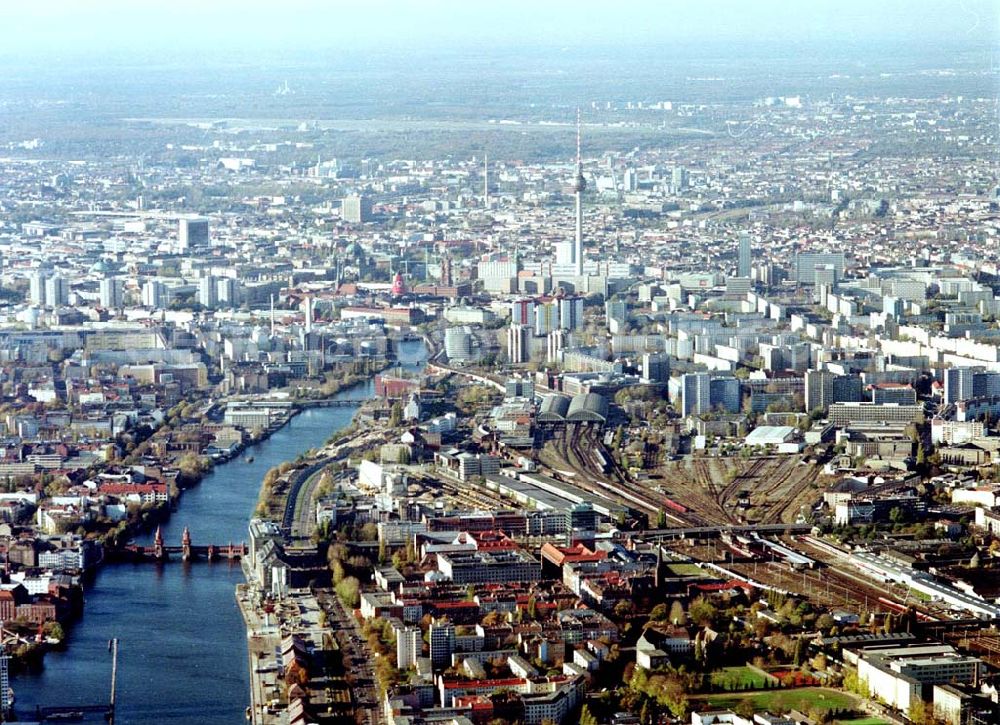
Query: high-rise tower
(744,255)
(578,188)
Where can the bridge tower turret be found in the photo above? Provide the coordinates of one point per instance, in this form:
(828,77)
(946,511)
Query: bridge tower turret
(158,552)
(186,545)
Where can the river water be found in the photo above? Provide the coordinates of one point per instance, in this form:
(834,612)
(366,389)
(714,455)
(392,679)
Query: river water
(182,652)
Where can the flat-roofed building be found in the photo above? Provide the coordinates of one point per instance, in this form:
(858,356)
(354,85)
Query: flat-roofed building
(494,567)
(844,414)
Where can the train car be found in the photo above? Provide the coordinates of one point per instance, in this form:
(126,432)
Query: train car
(900,609)
(674,506)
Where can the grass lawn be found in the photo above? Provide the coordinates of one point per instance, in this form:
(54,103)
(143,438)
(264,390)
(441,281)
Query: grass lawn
(738,678)
(864,721)
(683,569)
(802,699)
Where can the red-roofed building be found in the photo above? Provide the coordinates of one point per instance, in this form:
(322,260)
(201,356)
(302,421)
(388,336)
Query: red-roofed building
(152,493)
(493,541)
(480,707)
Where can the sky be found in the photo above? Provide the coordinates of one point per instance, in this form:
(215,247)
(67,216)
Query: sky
(33,29)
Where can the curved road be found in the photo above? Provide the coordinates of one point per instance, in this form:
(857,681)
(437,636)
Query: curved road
(298,507)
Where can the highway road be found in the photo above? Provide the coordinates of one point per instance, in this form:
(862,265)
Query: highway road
(296,501)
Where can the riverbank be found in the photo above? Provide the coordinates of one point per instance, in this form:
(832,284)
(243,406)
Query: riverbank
(178,623)
(262,642)
(181,631)
(147,520)
(292,489)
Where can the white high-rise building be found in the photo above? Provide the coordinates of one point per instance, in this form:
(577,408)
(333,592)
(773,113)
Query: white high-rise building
(36,291)
(154,294)
(111,293)
(207,291)
(555,344)
(566,255)
(227,292)
(409,646)
(56,291)
(630,180)
(679,178)
(656,367)
(616,310)
(518,343)
(696,393)
(805,266)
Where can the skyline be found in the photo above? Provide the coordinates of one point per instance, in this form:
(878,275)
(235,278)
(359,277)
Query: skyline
(697,398)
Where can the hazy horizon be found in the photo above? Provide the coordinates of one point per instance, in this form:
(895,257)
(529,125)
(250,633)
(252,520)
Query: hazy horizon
(119,31)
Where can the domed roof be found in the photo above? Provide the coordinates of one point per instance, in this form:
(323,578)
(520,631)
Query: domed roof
(101,266)
(355,250)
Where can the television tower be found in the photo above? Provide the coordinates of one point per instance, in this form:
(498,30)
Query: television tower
(578,188)
(486,181)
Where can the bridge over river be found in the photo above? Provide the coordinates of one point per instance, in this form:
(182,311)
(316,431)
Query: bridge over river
(159,551)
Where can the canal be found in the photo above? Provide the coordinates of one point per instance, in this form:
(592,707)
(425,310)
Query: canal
(182,656)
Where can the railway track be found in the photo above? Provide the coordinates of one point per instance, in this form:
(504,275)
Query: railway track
(877,596)
(733,487)
(775,514)
(577,447)
(476,499)
(986,646)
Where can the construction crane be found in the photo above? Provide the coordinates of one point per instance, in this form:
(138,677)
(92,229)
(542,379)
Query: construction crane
(78,712)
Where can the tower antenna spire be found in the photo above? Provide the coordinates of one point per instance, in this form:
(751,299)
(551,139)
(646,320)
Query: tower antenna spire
(579,157)
(578,186)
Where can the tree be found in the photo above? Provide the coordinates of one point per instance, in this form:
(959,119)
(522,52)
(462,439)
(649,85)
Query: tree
(54,630)
(532,608)
(699,651)
(587,717)
(644,713)
(799,652)
(348,590)
(624,608)
(745,709)
(919,714)
(702,612)
(825,622)
(396,415)
(658,613)
(192,465)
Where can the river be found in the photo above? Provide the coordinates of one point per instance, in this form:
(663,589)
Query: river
(182,652)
